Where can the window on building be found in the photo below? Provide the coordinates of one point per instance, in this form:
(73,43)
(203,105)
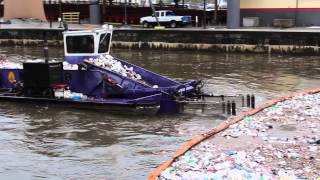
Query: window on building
(80,44)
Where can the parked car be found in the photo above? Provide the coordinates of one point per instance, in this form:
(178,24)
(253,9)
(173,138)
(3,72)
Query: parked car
(165,18)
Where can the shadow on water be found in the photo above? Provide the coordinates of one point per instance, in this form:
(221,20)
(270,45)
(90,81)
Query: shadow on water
(89,139)
(86,126)
(56,142)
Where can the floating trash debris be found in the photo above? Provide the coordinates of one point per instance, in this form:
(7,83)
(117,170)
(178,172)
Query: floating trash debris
(5,64)
(280,142)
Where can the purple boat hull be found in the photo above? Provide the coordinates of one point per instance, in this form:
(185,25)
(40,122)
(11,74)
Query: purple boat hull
(124,92)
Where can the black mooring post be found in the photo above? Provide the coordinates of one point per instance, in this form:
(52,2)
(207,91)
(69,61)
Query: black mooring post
(222,97)
(248,100)
(45,48)
(242,99)
(223,107)
(203,108)
(253,101)
(233,108)
(228,108)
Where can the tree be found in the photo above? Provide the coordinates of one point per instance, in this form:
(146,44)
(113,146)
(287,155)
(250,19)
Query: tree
(176,3)
(110,2)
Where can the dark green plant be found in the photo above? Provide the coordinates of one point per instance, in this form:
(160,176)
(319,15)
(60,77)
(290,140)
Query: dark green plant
(176,3)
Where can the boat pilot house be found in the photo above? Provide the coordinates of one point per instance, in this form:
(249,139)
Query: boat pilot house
(85,44)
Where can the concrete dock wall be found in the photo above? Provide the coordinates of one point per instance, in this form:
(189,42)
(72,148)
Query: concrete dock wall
(251,41)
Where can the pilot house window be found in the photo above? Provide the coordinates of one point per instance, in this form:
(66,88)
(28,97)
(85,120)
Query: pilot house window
(104,43)
(80,44)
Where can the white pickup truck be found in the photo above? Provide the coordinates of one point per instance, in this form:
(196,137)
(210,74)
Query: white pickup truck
(165,18)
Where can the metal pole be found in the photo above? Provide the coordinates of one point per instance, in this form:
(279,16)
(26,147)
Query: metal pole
(233,14)
(253,101)
(222,97)
(204,21)
(233,108)
(248,100)
(242,98)
(125,13)
(103,11)
(125,18)
(154,12)
(296,13)
(216,11)
(45,48)
(50,17)
(197,21)
(223,107)
(60,15)
(95,12)
(228,108)
(60,9)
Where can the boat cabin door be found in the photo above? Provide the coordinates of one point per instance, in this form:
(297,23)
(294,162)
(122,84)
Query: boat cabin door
(81,45)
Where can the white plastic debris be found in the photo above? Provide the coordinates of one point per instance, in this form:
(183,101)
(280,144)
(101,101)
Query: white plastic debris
(281,142)
(5,64)
(67,66)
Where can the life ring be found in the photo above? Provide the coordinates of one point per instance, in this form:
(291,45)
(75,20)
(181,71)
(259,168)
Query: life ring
(12,78)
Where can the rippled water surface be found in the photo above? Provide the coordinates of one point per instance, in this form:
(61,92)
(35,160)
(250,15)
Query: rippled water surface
(52,142)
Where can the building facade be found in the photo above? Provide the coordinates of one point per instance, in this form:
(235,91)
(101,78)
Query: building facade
(132,2)
(302,12)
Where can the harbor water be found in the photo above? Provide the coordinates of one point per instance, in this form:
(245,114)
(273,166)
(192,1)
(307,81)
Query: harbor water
(57,143)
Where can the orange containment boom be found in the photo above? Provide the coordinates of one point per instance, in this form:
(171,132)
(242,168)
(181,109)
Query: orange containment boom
(201,137)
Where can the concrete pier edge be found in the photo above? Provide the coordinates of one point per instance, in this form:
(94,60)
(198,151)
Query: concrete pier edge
(223,126)
(272,41)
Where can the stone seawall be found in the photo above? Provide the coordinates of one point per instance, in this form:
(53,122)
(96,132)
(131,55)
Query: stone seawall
(304,41)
